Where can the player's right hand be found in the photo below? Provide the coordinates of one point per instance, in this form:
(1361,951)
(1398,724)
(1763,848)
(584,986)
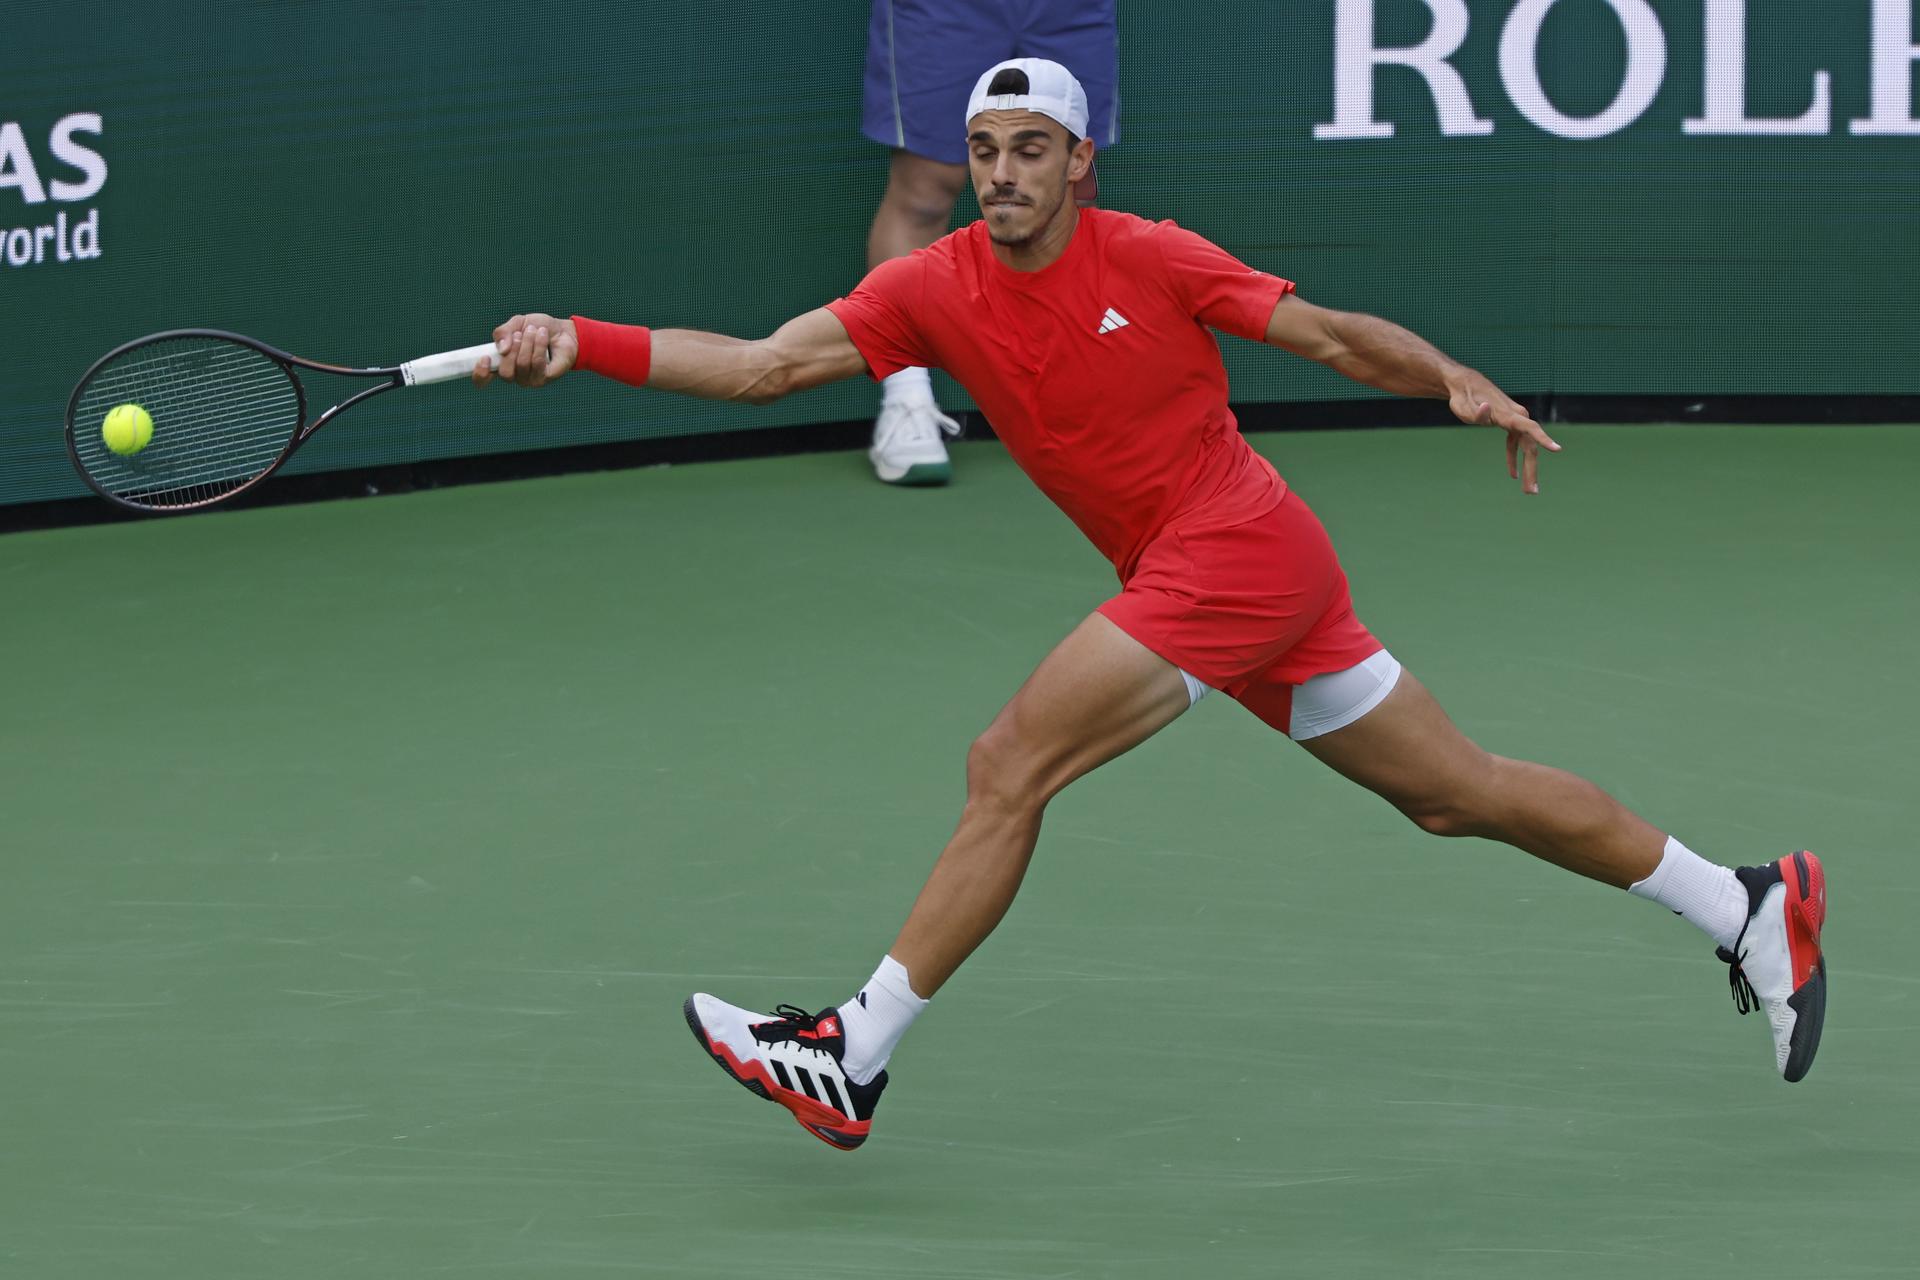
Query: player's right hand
(534,350)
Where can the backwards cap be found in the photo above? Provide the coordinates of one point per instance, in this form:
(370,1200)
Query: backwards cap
(1051,91)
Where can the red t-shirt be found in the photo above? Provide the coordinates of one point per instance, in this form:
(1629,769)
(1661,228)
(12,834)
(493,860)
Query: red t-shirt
(1098,371)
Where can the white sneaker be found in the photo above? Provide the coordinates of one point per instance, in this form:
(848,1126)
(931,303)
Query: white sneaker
(906,444)
(1777,962)
(791,1057)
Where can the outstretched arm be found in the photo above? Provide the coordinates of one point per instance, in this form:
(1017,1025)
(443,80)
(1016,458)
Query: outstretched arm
(1382,354)
(804,352)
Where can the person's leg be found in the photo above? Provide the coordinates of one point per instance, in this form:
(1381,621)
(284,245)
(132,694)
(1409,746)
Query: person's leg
(913,213)
(916,206)
(1098,694)
(1765,920)
(1409,753)
(922,60)
(1341,696)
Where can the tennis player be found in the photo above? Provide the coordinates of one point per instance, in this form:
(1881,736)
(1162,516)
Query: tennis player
(1083,334)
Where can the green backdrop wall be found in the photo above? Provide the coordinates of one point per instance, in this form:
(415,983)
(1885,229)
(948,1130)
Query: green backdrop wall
(364,182)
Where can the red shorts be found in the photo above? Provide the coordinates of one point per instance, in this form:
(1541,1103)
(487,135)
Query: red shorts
(1251,610)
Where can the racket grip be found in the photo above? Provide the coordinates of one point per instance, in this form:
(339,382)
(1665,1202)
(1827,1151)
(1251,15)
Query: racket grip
(448,365)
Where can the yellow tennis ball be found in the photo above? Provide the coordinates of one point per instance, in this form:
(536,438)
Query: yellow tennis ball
(128,429)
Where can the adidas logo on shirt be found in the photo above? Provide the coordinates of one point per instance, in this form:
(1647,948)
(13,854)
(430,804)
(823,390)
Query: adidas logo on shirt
(1111,321)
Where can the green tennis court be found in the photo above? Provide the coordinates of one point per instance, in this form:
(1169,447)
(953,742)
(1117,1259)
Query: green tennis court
(360,854)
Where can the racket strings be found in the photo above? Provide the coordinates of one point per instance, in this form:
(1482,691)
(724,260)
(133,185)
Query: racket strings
(222,412)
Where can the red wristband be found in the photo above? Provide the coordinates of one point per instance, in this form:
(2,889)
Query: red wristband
(623,352)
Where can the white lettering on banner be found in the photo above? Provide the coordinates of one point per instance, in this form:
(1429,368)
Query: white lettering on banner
(91,164)
(70,237)
(1725,83)
(1355,56)
(1646,67)
(1894,54)
(16,165)
(60,240)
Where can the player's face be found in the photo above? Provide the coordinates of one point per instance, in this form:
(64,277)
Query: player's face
(1022,170)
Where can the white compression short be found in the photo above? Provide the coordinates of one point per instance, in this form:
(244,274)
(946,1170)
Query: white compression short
(1331,701)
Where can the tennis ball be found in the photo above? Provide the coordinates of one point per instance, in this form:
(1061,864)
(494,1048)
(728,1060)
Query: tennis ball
(128,429)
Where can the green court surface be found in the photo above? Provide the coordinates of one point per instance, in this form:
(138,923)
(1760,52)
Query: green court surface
(359,855)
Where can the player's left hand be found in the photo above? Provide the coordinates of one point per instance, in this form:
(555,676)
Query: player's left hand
(1476,400)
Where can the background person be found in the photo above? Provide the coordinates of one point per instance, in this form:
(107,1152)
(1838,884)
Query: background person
(922,58)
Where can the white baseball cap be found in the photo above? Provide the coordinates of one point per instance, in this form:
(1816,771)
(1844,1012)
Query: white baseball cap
(1051,91)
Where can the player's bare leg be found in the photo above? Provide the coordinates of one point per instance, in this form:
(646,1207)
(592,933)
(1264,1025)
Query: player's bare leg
(913,213)
(1097,695)
(1766,920)
(1407,751)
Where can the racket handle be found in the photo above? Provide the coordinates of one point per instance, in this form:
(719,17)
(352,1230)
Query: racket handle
(448,365)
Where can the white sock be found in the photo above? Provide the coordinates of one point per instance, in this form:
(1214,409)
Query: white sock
(909,386)
(874,1020)
(1710,897)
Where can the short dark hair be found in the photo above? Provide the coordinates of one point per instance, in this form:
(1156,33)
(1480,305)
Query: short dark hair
(1009,80)
(1014,80)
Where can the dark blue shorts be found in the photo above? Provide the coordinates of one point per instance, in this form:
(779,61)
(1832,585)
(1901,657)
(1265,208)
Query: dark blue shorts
(923,57)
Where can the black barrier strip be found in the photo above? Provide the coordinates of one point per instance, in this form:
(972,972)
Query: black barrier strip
(721,446)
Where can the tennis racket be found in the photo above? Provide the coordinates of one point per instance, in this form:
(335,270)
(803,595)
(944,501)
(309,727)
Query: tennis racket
(227,412)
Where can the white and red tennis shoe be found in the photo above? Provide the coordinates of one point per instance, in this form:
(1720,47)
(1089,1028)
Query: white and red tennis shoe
(791,1057)
(1776,961)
